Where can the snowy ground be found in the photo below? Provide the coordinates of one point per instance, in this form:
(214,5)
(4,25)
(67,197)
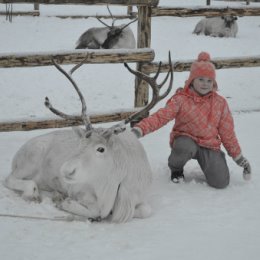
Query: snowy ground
(190,220)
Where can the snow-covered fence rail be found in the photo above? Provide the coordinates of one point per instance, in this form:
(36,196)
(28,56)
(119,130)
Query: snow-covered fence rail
(204,11)
(44,123)
(133,15)
(220,63)
(22,13)
(36,12)
(28,59)
(85,2)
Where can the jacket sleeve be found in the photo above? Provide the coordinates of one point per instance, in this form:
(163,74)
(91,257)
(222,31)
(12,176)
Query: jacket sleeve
(161,117)
(227,133)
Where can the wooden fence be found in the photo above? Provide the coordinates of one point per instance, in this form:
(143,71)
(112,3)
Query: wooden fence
(143,55)
(149,67)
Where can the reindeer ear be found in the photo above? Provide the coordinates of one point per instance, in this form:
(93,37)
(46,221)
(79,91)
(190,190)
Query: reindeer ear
(79,131)
(107,133)
(114,130)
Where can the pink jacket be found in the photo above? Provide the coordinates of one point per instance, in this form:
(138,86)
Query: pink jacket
(207,120)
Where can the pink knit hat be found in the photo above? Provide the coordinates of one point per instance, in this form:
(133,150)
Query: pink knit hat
(202,67)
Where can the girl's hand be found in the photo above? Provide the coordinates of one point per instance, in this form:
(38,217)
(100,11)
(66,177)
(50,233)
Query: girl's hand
(243,162)
(137,132)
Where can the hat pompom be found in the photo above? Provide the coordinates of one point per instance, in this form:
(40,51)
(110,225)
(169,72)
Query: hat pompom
(204,56)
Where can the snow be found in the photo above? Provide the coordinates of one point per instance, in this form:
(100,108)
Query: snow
(190,220)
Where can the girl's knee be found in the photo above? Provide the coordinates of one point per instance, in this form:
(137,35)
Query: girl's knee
(219,182)
(214,166)
(183,149)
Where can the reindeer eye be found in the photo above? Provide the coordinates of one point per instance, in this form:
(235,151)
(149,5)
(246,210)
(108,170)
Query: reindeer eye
(101,149)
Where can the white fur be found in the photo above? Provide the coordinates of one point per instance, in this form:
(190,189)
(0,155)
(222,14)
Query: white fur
(100,176)
(216,27)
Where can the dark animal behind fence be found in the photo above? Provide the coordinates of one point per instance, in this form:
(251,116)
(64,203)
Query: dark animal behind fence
(108,37)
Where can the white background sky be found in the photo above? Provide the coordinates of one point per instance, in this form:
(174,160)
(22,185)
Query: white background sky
(190,220)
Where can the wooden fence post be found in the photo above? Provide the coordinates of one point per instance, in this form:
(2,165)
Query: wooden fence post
(36,6)
(129,10)
(143,41)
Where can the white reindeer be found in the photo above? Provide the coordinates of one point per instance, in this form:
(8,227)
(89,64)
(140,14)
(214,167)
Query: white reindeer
(108,37)
(96,173)
(224,26)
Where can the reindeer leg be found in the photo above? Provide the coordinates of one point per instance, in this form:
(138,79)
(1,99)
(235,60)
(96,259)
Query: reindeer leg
(28,188)
(124,206)
(58,197)
(93,45)
(74,207)
(143,210)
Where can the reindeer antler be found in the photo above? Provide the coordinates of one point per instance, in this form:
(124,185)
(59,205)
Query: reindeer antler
(84,116)
(104,23)
(155,87)
(113,19)
(118,128)
(129,24)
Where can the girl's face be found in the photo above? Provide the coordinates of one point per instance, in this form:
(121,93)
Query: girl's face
(203,85)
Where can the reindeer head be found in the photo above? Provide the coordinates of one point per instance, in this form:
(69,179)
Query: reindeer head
(229,20)
(92,161)
(114,33)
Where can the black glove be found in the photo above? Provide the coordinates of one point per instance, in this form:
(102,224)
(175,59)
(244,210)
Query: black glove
(243,162)
(137,132)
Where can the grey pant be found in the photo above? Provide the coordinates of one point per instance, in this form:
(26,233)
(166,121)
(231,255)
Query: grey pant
(212,163)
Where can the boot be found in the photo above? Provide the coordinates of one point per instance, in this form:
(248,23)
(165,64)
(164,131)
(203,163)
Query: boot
(176,176)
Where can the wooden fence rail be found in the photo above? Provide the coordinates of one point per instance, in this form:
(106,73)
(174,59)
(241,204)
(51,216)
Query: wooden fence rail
(220,63)
(155,11)
(84,2)
(205,11)
(119,56)
(21,13)
(71,57)
(29,124)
